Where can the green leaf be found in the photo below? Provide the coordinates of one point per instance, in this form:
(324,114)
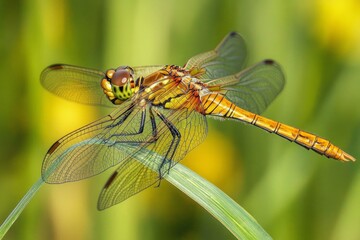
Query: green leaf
(240,223)
(9,221)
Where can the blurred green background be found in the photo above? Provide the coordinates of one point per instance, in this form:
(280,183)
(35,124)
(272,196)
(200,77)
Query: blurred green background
(293,193)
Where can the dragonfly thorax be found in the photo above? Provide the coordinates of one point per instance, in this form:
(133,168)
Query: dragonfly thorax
(118,85)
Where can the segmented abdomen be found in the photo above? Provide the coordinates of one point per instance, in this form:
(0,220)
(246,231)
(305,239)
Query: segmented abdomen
(217,105)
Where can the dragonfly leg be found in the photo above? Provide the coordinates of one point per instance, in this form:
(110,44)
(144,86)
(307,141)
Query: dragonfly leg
(153,123)
(154,135)
(127,114)
(173,145)
(139,131)
(123,117)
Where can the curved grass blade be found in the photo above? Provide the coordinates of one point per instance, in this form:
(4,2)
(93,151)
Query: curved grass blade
(9,221)
(239,222)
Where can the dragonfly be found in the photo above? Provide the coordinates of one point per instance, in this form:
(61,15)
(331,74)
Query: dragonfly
(160,115)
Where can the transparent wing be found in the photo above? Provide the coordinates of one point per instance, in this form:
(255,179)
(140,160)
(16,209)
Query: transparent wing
(90,150)
(75,84)
(149,164)
(143,71)
(254,88)
(147,141)
(80,84)
(228,58)
(130,178)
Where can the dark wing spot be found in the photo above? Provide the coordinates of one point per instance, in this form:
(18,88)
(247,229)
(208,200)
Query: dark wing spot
(53,147)
(110,180)
(269,61)
(56,67)
(233,34)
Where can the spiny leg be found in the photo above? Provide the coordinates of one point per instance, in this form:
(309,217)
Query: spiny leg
(141,125)
(123,117)
(140,130)
(153,124)
(176,136)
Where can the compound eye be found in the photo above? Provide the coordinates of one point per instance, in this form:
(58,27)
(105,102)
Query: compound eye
(120,77)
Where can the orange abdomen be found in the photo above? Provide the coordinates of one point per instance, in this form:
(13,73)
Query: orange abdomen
(217,105)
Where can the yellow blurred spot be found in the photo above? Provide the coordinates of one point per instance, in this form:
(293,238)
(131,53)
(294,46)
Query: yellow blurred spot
(338,25)
(215,160)
(61,117)
(68,207)
(68,203)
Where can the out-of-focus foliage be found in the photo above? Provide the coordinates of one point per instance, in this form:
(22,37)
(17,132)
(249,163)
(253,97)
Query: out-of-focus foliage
(293,193)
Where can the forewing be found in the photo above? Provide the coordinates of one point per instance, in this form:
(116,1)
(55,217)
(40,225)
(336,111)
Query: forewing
(254,88)
(91,149)
(76,84)
(228,58)
(82,85)
(148,163)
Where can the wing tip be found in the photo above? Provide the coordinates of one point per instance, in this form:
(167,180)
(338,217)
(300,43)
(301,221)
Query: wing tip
(53,147)
(52,67)
(110,180)
(55,66)
(233,34)
(269,62)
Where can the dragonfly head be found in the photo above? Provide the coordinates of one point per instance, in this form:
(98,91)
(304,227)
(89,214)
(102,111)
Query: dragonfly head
(118,85)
